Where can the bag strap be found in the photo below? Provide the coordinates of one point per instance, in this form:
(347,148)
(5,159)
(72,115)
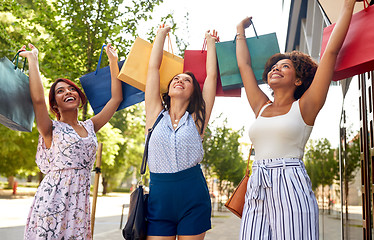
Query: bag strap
(16,58)
(204,44)
(145,154)
(170,46)
(249,158)
(366,4)
(253,29)
(101,53)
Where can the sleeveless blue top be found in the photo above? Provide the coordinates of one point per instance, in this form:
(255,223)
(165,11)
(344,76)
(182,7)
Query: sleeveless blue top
(170,150)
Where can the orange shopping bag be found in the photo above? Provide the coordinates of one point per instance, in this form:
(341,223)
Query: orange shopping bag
(135,68)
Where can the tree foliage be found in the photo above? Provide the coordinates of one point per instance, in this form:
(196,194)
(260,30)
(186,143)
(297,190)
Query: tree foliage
(69,35)
(130,123)
(223,158)
(18,151)
(351,162)
(320,163)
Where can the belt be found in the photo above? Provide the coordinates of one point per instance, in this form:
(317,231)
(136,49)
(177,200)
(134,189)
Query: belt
(260,179)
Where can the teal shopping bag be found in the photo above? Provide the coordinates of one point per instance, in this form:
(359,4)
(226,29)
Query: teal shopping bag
(16,110)
(261,48)
(97,87)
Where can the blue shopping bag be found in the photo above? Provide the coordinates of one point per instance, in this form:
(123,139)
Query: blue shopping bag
(97,86)
(16,110)
(261,48)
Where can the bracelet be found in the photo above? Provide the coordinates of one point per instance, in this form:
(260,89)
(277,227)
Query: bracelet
(240,38)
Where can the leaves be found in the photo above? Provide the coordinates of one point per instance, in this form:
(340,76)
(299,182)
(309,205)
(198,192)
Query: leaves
(320,163)
(222,155)
(69,35)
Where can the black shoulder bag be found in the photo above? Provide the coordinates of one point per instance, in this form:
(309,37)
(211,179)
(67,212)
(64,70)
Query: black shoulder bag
(136,225)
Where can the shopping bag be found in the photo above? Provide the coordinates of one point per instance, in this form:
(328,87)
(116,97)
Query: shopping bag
(136,225)
(97,87)
(135,68)
(357,53)
(195,62)
(16,110)
(260,49)
(236,201)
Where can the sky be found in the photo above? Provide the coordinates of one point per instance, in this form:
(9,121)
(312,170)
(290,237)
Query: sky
(268,16)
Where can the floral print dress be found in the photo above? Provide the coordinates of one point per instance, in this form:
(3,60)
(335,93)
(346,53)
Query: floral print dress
(61,207)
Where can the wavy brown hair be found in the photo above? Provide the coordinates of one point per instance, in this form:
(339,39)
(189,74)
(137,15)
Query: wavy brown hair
(304,65)
(52,95)
(196,105)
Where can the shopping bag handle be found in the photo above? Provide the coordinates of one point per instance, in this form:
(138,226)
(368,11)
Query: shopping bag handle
(170,46)
(249,159)
(98,64)
(253,29)
(16,57)
(204,44)
(366,4)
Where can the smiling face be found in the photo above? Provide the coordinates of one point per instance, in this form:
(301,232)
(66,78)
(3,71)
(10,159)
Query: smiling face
(181,85)
(283,73)
(65,95)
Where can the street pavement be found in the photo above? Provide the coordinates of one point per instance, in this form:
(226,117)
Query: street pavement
(225,225)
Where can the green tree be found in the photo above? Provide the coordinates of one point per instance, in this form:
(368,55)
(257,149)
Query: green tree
(131,123)
(222,157)
(18,151)
(320,163)
(351,162)
(69,35)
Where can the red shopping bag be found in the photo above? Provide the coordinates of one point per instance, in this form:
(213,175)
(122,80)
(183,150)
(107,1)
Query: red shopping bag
(195,62)
(357,53)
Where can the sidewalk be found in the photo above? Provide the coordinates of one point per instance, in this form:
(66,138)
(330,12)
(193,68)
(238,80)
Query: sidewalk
(225,225)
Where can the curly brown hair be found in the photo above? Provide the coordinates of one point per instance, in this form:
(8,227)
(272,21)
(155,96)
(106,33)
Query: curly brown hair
(196,105)
(304,65)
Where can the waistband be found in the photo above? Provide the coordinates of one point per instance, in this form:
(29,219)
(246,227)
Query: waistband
(260,177)
(278,162)
(168,177)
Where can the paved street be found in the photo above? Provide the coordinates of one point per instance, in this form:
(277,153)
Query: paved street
(225,225)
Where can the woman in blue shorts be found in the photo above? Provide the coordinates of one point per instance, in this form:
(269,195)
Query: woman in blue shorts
(179,202)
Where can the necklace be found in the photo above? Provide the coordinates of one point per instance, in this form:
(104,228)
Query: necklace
(175,123)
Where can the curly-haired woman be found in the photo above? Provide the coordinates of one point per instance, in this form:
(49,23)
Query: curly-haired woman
(279,202)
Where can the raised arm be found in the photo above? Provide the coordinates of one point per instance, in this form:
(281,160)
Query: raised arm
(110,108)
(314,98)
(210,84)
(43,121)
(153,102)
(256,97)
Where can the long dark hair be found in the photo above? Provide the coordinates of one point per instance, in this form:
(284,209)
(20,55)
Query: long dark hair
(52,95)
(196,105)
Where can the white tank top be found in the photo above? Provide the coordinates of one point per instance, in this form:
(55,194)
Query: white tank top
(281,136)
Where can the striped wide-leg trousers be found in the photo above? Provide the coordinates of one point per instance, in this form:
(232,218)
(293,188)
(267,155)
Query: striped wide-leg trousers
(279,203)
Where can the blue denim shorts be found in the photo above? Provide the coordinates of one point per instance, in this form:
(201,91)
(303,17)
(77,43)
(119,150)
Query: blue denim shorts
(178,203)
